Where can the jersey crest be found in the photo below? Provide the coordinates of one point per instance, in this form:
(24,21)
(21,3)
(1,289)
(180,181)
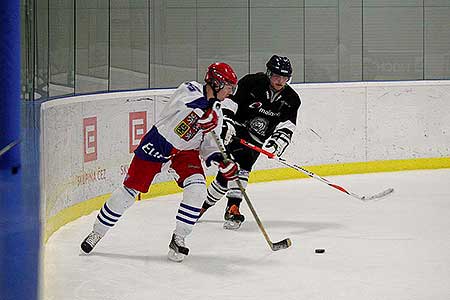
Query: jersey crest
(187,128)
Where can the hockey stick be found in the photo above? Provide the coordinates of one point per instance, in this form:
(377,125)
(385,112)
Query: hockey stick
(312,175)
(274,246)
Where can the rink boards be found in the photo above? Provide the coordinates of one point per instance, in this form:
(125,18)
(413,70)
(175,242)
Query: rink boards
(343,128)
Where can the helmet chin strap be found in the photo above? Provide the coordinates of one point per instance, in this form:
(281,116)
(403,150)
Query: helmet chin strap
(213,90)
(216,91)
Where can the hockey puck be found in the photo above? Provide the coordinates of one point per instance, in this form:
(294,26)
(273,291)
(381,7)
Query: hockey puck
(320,251)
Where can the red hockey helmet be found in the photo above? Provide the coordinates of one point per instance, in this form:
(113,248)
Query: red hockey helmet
(219,74)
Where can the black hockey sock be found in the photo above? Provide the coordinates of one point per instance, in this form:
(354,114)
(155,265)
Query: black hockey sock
(205,205)
(235,201)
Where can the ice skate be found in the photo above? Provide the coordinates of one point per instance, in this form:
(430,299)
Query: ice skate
(204,208)
(90,241)
(233,218)
(177,249)
(202,211)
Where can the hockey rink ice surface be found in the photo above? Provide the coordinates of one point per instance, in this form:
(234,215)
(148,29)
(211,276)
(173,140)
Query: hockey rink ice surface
(397,248)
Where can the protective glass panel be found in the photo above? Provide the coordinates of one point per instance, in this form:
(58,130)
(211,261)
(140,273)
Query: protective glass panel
(41,50)
(223,37)
(393,43)
(282,36)
(321,44)
(174,46)
(129,52)
(350,41)
(61,47)
(392,3)
(88,46)
(276,4)
(437,43)
(92,42)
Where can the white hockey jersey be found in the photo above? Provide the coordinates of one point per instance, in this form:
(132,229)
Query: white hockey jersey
(177,129)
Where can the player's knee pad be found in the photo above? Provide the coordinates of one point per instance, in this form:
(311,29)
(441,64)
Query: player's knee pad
(194,190)
(234,191)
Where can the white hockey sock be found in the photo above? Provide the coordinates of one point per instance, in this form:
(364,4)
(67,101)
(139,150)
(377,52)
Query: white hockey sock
(194,193)
(215,192)
(234,191)
(121,199)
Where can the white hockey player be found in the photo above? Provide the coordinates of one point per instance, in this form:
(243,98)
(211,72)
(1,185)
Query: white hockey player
(178,138)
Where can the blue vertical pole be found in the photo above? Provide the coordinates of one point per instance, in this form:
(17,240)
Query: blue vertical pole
(19,228)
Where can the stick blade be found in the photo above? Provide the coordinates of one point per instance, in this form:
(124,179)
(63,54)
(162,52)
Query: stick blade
(284,244)
(380,195)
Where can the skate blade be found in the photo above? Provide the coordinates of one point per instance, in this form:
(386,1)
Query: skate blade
(232,225)
(175,256)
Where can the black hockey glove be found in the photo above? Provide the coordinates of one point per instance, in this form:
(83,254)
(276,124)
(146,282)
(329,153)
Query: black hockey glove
(228,130)
(277,142)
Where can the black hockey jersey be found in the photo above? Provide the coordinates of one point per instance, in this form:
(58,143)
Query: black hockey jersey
(260,111)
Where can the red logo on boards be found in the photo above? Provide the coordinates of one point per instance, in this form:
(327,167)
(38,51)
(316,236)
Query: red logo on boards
(90,138)
(138,128)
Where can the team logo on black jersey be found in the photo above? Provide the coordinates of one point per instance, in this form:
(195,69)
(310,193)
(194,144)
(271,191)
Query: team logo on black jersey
(259,125)
(255,105)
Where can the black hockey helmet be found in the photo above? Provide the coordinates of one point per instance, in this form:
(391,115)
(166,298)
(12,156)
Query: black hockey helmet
(280,65)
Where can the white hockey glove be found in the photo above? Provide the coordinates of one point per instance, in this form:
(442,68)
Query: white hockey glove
(208,121)
(229,169)
(277,142)
(228,130)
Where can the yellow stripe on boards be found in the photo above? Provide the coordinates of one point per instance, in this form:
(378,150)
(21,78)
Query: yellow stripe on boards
(72,213)
(352,168)
(165,188)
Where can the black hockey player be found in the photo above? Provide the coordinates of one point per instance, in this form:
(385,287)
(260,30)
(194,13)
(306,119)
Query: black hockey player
(263,112)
